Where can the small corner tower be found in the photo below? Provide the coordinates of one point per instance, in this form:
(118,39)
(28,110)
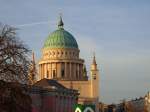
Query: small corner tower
(94,79)
(32,71)
(95,83)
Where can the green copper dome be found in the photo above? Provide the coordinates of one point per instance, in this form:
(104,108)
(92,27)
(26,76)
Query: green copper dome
(60,38)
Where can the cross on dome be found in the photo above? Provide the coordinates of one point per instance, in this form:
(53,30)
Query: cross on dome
(60,22)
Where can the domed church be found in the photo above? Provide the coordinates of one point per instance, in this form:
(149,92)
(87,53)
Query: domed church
(60,61)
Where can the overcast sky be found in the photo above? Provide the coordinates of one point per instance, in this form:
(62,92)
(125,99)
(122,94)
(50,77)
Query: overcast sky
(117,30)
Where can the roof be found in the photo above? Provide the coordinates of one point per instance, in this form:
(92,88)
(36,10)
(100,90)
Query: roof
(60,38)
(49,83)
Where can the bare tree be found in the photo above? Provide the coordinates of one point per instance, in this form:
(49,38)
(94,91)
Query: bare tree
(14,97)
(14,61)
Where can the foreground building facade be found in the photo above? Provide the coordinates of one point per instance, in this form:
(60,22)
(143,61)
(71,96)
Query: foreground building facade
(60,61)
(50,96)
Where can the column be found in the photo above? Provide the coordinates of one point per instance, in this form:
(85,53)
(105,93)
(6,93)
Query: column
(56,71)
(82,71)
(59,69)
(73,74)
(45,72)
(70,71)
(66,76)
(48,69)
(40,71)
(78,71)
(74,70)
(51,70)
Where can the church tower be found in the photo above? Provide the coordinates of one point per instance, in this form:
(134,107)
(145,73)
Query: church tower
(94,79)
(95,83)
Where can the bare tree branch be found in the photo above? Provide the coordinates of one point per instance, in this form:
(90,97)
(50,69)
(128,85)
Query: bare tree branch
(14,56)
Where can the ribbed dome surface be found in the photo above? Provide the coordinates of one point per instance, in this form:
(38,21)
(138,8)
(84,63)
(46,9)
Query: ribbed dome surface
(60,39)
